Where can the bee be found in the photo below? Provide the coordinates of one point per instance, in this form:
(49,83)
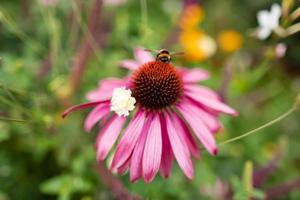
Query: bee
(164,55)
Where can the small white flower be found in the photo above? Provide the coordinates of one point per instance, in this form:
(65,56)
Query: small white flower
(268,21)
(122,102)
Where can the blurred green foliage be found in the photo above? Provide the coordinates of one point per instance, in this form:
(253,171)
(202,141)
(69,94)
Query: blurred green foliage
(46,157)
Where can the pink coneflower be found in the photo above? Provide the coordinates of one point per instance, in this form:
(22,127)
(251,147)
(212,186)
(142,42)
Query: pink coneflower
(170,110)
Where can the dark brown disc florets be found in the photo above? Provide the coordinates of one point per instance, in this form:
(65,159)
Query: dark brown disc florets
(156,85)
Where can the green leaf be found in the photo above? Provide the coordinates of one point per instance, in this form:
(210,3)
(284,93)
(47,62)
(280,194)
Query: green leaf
(65,185)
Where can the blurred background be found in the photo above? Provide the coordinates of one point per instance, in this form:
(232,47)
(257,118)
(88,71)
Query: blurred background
(52,52)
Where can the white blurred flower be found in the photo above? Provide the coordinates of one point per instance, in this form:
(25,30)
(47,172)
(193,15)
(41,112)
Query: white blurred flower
(268,21)
(208,45)
(122,102)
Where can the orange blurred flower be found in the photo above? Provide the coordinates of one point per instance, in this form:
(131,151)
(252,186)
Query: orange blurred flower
(197,45)
(230,40)
(191,17)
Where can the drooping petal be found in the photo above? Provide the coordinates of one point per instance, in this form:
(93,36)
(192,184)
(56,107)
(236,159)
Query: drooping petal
(128,140)
(81,106)
(179,148)
(142,56)
(105,89)
(209,120)
(137,155)
(129,64)
(167,154)
(187,136)
(201,90)
(194,75)
(124,167)
(108,136)
(211,103)
(152,151)
(200,129)
(96,115)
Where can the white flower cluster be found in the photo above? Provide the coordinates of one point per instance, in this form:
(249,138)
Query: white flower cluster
(268,21)
(122,102)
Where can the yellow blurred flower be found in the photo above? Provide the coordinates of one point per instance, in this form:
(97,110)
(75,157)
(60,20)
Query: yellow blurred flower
(191,17)
(197,45)
(60,87)
(230,40)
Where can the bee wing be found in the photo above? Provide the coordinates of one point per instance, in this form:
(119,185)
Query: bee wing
(177,53)
(152,51)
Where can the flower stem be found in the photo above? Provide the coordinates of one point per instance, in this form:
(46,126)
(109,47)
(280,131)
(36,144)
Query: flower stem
(281,117)
(12,120)
(295,14)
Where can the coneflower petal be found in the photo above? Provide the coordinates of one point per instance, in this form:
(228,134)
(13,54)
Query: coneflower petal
(152,151)
(179,148)
(108,135)
(211,103)
(96,115)
(121,170)
(209,120)
(200,129)
(142,56)
(105,89)
(128,140)
(167,154)
(187,136)
(81,106)
(137,155)
(194,75)
(129,64)
(201,90)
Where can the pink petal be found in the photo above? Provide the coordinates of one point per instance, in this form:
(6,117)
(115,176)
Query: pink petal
(187,136)
(211,103)
(105,89)
(80,106)
(167,154)
(200,129)
(96,115)
(129,64)
(142,56)
(128,140)
(209,120)
(153,149)
(179,148)
(137,155)
(124,167)
(108,136)
(194,75)
(201,90)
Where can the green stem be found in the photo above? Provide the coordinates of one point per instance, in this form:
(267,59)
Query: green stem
(281,117)
(295,14)
(12,120)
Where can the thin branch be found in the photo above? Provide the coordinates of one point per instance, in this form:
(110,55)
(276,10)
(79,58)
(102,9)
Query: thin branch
(45,66)
(282,190)
(86,48)
(226,78)
(261,174)
(270,123)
